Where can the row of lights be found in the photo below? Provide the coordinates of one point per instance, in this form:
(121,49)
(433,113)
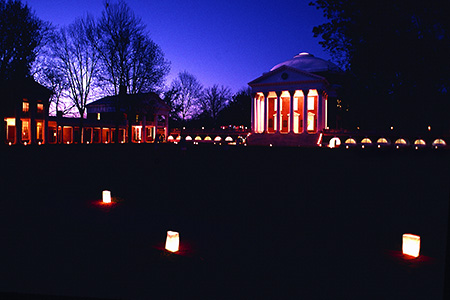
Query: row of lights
(173,237)
(410,242)
(335,142)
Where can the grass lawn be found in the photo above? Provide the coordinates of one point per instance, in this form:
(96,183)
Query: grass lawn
(254,222)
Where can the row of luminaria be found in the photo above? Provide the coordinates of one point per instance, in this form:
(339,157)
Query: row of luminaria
(336,142)
(199,138)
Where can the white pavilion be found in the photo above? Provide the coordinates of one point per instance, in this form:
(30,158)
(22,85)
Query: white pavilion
(290,102)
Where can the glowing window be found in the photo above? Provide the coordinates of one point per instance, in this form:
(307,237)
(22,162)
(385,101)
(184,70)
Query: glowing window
(170,138)
(439,142)
(208,138)
(98,116)
(40,108)
(188,138)
(366,141)
(39,130)
(25,129)
(382,141)
(178,138)
(217,139)
(420,142)
(228,139)
(334,142)
(198,138)
(350,141)
(401,142)
(25,107)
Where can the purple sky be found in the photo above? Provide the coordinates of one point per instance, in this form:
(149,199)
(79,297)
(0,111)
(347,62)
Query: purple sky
(227,42)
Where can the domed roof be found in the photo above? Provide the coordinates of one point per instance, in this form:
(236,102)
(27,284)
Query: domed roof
(308,63)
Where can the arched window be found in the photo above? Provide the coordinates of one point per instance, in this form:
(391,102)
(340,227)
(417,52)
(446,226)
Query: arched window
(366,141)
(439,143)
(228,139)
(420,142)
(334,142)
(188,138)
(401,142)
(350,141)
(217,139)
(382,141)
(198,138)
(208,138)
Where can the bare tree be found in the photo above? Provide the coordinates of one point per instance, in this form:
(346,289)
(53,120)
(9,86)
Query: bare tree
(214,99)
(129,58)
(188,98)
(51,77)
(77,60)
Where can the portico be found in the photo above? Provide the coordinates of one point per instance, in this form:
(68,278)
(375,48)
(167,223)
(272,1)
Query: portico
(290,101)
(284,111)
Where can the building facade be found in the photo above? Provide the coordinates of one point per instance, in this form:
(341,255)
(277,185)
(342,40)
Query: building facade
(290,103)
(143,118)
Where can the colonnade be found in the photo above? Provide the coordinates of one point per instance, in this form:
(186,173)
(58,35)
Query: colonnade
(285,111)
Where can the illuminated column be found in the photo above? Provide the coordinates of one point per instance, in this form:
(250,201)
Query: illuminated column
(166,128)
(291,111)
(253,112)
(144,135)
(305,111)
(266,112)
(278,112)
(320,111)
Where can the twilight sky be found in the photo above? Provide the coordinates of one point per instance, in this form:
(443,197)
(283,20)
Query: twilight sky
(227,42)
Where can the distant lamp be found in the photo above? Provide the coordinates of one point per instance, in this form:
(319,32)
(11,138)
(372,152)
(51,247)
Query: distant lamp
(429,128)
(411,244)
(106,196)
(172,241)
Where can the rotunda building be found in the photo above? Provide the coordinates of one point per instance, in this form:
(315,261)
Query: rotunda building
(290,102)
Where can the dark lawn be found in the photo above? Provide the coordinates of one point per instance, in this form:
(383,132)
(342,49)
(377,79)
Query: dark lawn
(254,222)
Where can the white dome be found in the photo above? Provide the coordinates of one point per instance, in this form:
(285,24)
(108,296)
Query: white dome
(308,63)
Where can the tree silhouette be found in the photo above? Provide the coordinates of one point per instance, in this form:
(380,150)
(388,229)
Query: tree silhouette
(129,58)
(394,53)
(213,100)
(189,91)
(21,34)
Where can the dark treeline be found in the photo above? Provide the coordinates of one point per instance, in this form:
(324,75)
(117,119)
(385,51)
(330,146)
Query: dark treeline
(395,54)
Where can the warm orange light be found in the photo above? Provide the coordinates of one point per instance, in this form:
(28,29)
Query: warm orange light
(106,196)
(411,244)
(172,241)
